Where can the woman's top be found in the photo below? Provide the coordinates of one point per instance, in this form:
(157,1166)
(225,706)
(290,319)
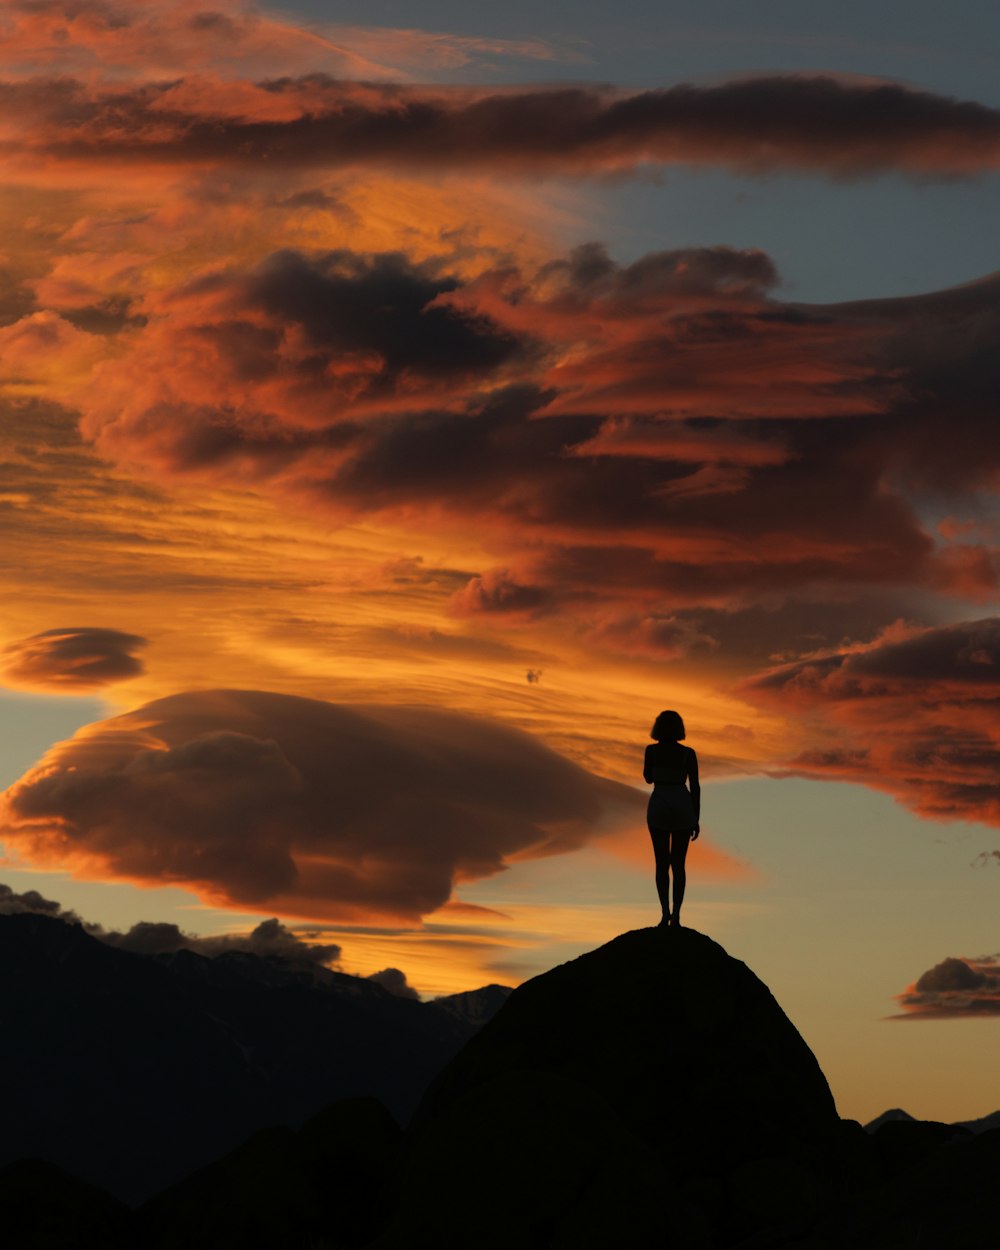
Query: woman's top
(668,765)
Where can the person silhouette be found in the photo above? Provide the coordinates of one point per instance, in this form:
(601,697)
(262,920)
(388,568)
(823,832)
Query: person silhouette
(674,810)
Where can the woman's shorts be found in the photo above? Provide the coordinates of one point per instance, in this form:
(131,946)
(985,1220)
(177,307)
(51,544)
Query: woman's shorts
(670,809)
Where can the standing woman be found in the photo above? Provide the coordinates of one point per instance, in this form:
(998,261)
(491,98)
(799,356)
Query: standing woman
(674,810)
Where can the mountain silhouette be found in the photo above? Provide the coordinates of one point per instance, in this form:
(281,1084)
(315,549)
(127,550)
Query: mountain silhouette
(475,1006)
(982,1124)
(649,1095)
(133,1070)
(893,1116)
(652,1088)
(283,1189)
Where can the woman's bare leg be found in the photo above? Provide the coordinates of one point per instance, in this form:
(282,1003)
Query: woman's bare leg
(679,843)
(661,850)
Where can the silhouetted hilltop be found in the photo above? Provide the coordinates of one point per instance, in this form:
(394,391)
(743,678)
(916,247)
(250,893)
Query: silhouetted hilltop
(650,1095)
(131,1070)
(652,1085)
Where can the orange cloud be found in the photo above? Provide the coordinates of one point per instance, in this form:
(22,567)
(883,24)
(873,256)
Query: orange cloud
(379,386)
(44,353)
(913,713)
(156,38)
(159,38)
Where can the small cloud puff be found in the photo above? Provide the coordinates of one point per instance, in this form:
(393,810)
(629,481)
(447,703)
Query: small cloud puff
(497,593)
(953,989)
(395,982)
(72,661)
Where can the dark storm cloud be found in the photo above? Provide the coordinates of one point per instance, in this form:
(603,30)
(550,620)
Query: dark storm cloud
(71,660)
(385,304)
(839,127)
(914,713)
(287,359)
(311,808)
(965,657)
(634,436)
(954,989)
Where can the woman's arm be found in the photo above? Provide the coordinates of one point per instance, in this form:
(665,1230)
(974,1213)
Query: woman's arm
(695,787)
(647,765)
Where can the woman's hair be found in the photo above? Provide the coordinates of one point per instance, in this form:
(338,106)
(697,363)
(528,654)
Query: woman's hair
(667,726)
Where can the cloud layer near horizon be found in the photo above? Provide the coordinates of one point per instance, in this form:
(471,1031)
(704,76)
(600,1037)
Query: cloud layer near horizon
(269,940)
(304,807)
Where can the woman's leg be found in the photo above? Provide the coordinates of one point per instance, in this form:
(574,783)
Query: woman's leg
(679,843)
(661,849)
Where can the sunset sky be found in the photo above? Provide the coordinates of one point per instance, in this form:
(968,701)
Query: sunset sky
(403,403)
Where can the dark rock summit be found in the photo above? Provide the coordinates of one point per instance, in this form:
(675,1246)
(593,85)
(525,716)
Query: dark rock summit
(652,1089)
(650,1095)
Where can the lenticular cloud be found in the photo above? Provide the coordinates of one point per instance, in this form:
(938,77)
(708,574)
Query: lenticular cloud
(305,807)
(69,660)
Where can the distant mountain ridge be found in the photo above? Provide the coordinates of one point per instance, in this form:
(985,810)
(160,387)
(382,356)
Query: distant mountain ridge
(475,1006)
(189,1055)
(984,1124)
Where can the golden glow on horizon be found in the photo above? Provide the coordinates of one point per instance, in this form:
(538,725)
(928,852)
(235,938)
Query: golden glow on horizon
(233,591)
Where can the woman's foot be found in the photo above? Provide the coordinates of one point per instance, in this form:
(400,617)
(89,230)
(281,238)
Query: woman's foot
(665,921)
(675,920)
